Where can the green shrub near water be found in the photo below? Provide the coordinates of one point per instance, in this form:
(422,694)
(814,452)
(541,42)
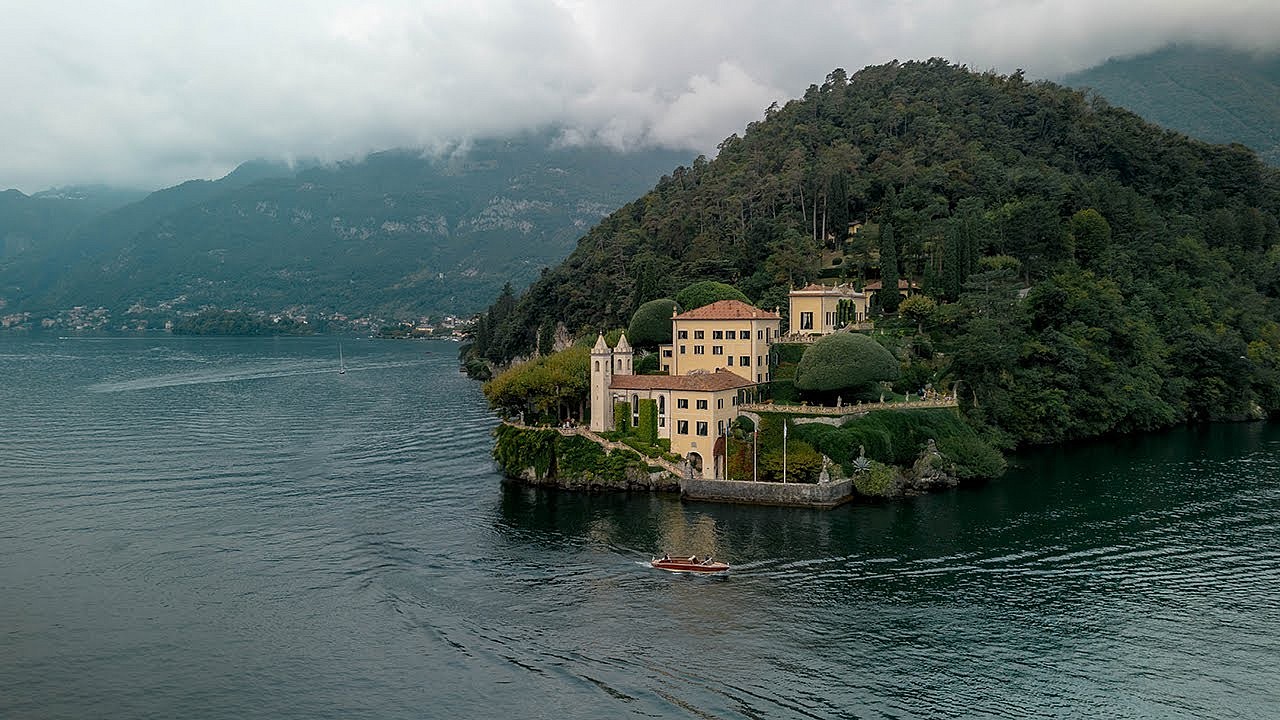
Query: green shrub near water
(897,437)
(973,458)
(877,481)
(804,464)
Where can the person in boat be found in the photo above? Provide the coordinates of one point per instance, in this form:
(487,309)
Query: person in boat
(666,556)
(708,561)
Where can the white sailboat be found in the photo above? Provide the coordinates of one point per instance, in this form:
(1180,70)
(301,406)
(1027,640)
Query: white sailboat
(342,367)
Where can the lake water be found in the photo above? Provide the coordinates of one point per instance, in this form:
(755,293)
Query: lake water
(227,528)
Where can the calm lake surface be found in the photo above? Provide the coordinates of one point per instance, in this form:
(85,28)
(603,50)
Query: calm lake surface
(227,528)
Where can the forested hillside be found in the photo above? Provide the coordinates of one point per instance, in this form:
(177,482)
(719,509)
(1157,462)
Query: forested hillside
(1213,94)
(397,234)
(1097,273)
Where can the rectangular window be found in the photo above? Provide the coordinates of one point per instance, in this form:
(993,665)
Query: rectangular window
(758,378)
(682,403)
(697,334)
(806,321)
(730,335)
(683,335)
(719,403)
(666,353)
(744,334)
(719,427)
(702,429)
(717,349)
(698,350)
(702,404)
(759,360)
(681,349)
(730,361)
(717,334)
(745,361)
(682,427)
(662,421)
(759,334)
(666,368)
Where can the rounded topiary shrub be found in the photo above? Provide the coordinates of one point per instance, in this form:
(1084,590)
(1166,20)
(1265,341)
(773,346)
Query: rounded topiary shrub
(844,361)
(651,323)
(707,292)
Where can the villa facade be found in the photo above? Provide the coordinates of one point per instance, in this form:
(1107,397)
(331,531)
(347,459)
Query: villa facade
(823,309)
(718,356)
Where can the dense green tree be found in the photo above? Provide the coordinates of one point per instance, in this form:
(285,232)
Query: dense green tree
(651,324)
(547,388)
(844,361)
(1091,237)
(918,308)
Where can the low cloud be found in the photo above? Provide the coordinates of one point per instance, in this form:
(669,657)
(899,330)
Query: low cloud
(153,93)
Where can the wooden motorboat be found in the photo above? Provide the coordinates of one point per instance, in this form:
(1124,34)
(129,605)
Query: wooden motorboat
(692,563)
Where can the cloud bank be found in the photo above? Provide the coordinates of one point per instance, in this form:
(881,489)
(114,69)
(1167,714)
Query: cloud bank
(147,94)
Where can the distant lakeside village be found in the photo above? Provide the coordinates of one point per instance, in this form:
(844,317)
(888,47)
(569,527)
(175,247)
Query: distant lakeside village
(170,317)
(708,408)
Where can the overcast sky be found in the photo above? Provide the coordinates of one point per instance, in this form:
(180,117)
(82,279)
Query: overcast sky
(147,94)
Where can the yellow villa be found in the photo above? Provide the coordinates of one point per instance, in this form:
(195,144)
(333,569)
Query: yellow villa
(823,309)
(718,354)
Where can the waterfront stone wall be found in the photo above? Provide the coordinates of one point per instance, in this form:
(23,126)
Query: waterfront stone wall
(816,495)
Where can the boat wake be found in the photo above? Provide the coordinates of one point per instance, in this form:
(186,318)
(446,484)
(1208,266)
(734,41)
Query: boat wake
(236,375)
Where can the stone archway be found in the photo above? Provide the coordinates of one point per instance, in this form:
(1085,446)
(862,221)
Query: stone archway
(695,463)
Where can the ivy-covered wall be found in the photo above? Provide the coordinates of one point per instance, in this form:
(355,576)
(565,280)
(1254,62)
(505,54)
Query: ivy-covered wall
(647,431)
(621,417)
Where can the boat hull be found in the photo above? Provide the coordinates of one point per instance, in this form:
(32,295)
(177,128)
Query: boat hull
(685,566)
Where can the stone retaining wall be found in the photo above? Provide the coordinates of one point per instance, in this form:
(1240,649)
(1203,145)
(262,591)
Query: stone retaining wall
(815,495)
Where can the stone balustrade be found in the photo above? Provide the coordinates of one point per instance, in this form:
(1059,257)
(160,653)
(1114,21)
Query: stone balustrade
(855,409)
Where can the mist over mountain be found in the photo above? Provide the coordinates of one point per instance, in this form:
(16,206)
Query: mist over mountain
(1212,93)
(397,234)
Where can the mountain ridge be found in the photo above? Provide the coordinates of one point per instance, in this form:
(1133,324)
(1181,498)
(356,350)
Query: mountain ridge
(398,233)
(1216,94)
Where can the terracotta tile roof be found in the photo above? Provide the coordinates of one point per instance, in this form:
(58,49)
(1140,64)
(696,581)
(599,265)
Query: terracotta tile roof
(704,382)
(727,310)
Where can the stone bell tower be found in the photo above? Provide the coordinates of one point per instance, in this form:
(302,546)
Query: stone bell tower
(601,378)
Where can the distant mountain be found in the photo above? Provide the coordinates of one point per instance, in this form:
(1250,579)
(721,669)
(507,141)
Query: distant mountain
(396,234)
(1213,94)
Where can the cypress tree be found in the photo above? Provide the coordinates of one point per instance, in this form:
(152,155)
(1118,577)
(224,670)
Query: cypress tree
(889,296)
